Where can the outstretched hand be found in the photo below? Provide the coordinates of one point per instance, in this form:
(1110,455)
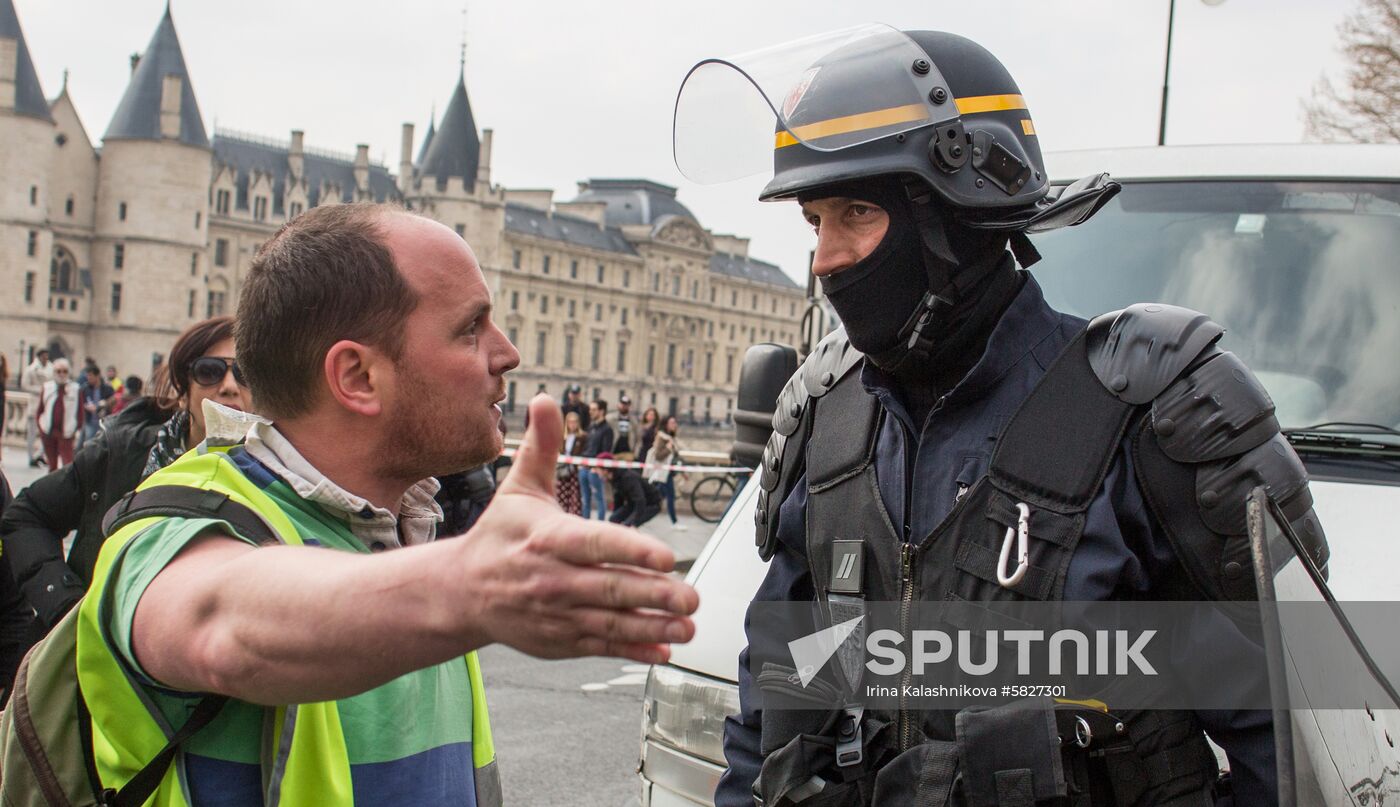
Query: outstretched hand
(557,586)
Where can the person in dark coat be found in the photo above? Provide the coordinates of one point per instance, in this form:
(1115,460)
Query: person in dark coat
(148,434)
(634,501)
(18,628)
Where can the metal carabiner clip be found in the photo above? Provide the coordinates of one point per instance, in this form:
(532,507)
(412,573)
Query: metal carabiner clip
(1021,534)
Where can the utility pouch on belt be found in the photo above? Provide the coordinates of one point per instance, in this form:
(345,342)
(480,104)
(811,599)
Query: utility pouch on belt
(1011,755)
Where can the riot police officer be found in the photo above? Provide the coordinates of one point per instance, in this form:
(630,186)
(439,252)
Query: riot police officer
(953,395)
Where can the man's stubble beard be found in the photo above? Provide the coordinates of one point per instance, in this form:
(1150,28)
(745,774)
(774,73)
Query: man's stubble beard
(432,435)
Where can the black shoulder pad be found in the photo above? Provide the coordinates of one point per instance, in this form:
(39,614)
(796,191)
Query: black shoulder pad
(1139,351)
(1217,410)
(832,359)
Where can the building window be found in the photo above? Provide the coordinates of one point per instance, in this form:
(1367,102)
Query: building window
(68,206)
(513,335)
(651,360)
(626,278)
(545,264)
(601,276)
(755,303)
(544,304)
(690,365)
(118,256)
(775,306)
(622,357)
(194,264)
(694,289)
(539,347)
(729,369)
(713,291)
(29,287)
(297,208)
(571,309)
(121,211)
(515,301)
(624,317)
(670,361)
(569,350)
(792,308)
(709,365)
(656,281)
(198,219)
(510,397)
(221,252)
(215,304)
(33,195)
(260,208)
(221,200)
(33,243)
(515,259)
(573,270)
(596,357)
(461,230)
(733,299)
(712,329)
(191,307)
(116,297)
(676,285)
(597,313)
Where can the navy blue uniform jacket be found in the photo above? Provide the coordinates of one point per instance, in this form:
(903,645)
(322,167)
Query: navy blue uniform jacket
(1118,557)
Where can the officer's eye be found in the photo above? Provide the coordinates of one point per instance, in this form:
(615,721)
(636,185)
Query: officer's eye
(857,211)
(815,221)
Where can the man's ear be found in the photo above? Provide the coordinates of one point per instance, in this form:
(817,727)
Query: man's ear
(358,377)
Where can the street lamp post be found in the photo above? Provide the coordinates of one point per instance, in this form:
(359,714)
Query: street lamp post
(1167,71)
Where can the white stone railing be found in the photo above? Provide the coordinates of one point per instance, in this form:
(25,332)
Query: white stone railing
(17,403)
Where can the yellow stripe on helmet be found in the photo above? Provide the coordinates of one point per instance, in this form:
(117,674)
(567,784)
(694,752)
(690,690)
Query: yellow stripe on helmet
(909,113)
(989,103)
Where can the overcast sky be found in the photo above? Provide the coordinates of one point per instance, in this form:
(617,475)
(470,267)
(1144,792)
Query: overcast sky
(576,90)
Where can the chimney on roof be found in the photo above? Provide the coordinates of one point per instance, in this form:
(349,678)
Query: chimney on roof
(9,70)
(135,60)
(483,163)
(171,89)
(296,162)
(406,158)
(361,168)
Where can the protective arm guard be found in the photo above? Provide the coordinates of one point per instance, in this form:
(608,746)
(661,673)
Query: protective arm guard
(784,458)
(1209,438)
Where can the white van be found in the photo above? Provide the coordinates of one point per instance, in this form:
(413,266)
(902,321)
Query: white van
(1294,249)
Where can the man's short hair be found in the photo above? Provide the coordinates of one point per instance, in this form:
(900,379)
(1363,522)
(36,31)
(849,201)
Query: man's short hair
(43,351)
(601,404)
(325,276)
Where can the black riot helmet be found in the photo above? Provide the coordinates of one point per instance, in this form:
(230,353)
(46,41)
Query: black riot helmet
(872,101)
(927,124)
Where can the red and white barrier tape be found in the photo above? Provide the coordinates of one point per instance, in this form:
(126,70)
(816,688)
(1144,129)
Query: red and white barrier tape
(591,462)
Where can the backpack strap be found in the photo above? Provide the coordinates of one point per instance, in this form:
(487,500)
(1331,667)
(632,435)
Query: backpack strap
(186,502)
(177,501)
(140,787)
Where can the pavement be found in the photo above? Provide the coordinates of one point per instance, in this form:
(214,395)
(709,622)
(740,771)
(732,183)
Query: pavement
(17,470)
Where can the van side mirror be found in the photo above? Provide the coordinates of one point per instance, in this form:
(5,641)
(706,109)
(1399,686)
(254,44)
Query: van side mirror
(766,370)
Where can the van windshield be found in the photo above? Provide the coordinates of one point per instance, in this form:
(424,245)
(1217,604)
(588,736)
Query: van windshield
(1304,275)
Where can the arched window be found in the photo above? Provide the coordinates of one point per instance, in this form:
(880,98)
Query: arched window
(63,271)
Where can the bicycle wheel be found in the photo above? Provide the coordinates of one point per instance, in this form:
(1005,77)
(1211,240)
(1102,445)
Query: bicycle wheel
(710,498)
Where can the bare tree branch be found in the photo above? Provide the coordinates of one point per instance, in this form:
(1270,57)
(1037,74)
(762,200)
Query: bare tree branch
(1367,110)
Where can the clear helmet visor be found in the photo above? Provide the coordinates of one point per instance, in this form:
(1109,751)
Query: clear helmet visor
(827,92)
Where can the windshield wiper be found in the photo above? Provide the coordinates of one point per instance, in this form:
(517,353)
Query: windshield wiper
(1339,437)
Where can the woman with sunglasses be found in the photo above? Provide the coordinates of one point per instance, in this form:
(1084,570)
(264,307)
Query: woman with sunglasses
(148,434)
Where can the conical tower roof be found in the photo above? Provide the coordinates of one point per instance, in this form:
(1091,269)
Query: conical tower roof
(455,149)
(138,115)
(427,139)
(29,96)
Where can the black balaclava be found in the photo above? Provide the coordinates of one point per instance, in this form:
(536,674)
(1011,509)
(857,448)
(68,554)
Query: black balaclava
(876,297)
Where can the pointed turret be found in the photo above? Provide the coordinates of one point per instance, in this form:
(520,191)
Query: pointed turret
(159,103)
(20,92)
(454,150)
(427,138)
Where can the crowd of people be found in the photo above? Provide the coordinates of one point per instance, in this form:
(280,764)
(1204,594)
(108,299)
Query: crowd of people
(66,411)
(637,491)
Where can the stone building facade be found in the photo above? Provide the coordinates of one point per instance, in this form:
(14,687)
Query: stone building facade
(111,253)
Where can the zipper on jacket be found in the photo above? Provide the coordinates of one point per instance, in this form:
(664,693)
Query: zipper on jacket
(906,600)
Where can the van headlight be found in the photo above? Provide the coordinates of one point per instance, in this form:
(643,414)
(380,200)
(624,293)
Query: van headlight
(687,711)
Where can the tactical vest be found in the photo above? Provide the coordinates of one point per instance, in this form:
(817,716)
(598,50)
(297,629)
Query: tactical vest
(1048,466)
